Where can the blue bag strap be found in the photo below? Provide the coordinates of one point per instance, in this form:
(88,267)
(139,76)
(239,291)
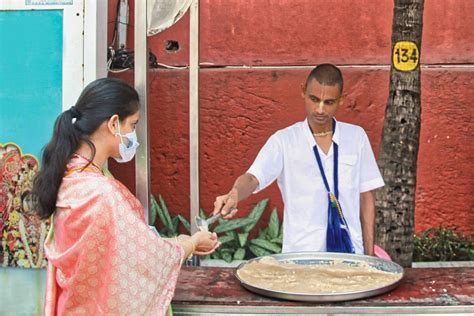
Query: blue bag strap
(336,161)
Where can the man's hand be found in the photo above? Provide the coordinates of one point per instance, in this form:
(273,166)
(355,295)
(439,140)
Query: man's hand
(243,187)
(227,204)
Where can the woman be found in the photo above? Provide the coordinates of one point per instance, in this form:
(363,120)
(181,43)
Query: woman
(102,256)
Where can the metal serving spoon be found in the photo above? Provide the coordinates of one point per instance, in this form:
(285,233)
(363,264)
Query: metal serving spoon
(203,224)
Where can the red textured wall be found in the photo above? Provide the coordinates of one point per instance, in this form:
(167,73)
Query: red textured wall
(444,193)
(240,108)
(308,32)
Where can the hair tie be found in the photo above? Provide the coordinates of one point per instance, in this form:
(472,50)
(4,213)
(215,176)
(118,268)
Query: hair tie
(75,112)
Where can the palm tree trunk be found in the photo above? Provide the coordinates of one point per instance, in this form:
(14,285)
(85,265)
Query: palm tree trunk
(400,135)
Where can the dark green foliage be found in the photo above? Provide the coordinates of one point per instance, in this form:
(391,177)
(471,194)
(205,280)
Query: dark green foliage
(233,234)
(443,244)
(171,224)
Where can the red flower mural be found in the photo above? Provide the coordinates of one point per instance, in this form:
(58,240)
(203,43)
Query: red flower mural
(22,233)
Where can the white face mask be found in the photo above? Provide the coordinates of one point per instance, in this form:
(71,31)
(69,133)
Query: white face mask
(127,152)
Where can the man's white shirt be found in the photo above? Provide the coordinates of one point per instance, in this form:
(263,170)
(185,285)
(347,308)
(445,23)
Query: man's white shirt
(288,157)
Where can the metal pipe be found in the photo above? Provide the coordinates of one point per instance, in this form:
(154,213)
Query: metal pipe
(95,40)
(142,158)
(122,24)
(194,110)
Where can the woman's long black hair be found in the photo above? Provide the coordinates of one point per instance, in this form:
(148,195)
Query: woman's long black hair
(99,101)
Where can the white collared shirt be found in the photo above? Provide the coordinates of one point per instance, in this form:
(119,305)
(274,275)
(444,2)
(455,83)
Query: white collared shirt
(288,157)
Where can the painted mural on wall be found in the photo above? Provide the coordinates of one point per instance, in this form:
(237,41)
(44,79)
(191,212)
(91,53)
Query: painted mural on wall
(22,231)
(31,98)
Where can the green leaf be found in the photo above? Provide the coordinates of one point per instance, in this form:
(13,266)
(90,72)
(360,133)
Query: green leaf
(175,222)
(262,233)
(259,252)
(277,240)
(185,223)
(232,224)
(239,254)
(255,214)
(165,232)
(202,214)
(266,245)
(216,255)
(159,211)
(227,256)
(226,239)
(164,214)
(280,235)
(228,249)
(235,237)
(273,224)
(243,239)
(153,211)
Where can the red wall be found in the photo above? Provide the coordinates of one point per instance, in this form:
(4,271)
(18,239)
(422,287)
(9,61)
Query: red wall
(241,107)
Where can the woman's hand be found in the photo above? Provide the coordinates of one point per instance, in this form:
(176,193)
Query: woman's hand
(205,242)
(183,237)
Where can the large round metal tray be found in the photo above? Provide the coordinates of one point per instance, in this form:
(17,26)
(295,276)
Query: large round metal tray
(325,258)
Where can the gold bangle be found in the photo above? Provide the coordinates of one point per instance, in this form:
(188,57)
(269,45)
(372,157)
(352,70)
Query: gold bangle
(193,249)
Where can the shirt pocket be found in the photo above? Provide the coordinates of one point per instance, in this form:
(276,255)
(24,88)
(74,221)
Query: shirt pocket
(347,171)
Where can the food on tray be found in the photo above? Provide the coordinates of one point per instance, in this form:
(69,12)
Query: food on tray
(336,277)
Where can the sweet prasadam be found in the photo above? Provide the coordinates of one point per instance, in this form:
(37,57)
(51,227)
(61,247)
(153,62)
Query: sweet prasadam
(337,277)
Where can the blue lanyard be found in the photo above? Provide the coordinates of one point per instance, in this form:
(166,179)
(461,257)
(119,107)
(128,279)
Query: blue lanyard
(336,159)
(338,237)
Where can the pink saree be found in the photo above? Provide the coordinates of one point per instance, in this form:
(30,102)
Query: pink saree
(102,256)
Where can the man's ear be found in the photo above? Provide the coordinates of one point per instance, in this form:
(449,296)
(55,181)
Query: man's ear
(303,90)
(341,100)
(112,124)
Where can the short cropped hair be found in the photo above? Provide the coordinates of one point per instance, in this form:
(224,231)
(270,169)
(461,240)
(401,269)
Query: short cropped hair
(326,74)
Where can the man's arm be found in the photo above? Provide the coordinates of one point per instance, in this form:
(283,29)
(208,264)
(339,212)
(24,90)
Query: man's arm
(367,219)
(242,189)
(265,169)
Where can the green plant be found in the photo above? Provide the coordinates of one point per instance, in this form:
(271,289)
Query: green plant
(235,241)
(269,239)
(234,234)
(443,244)
(170,224)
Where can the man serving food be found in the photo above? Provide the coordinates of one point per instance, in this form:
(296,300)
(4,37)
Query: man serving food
(325,170)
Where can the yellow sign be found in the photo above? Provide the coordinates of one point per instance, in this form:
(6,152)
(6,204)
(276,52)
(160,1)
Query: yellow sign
(405,56)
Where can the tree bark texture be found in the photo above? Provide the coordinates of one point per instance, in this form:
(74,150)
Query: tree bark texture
(400,139)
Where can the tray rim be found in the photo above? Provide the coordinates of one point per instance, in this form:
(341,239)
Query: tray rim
(332,297)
